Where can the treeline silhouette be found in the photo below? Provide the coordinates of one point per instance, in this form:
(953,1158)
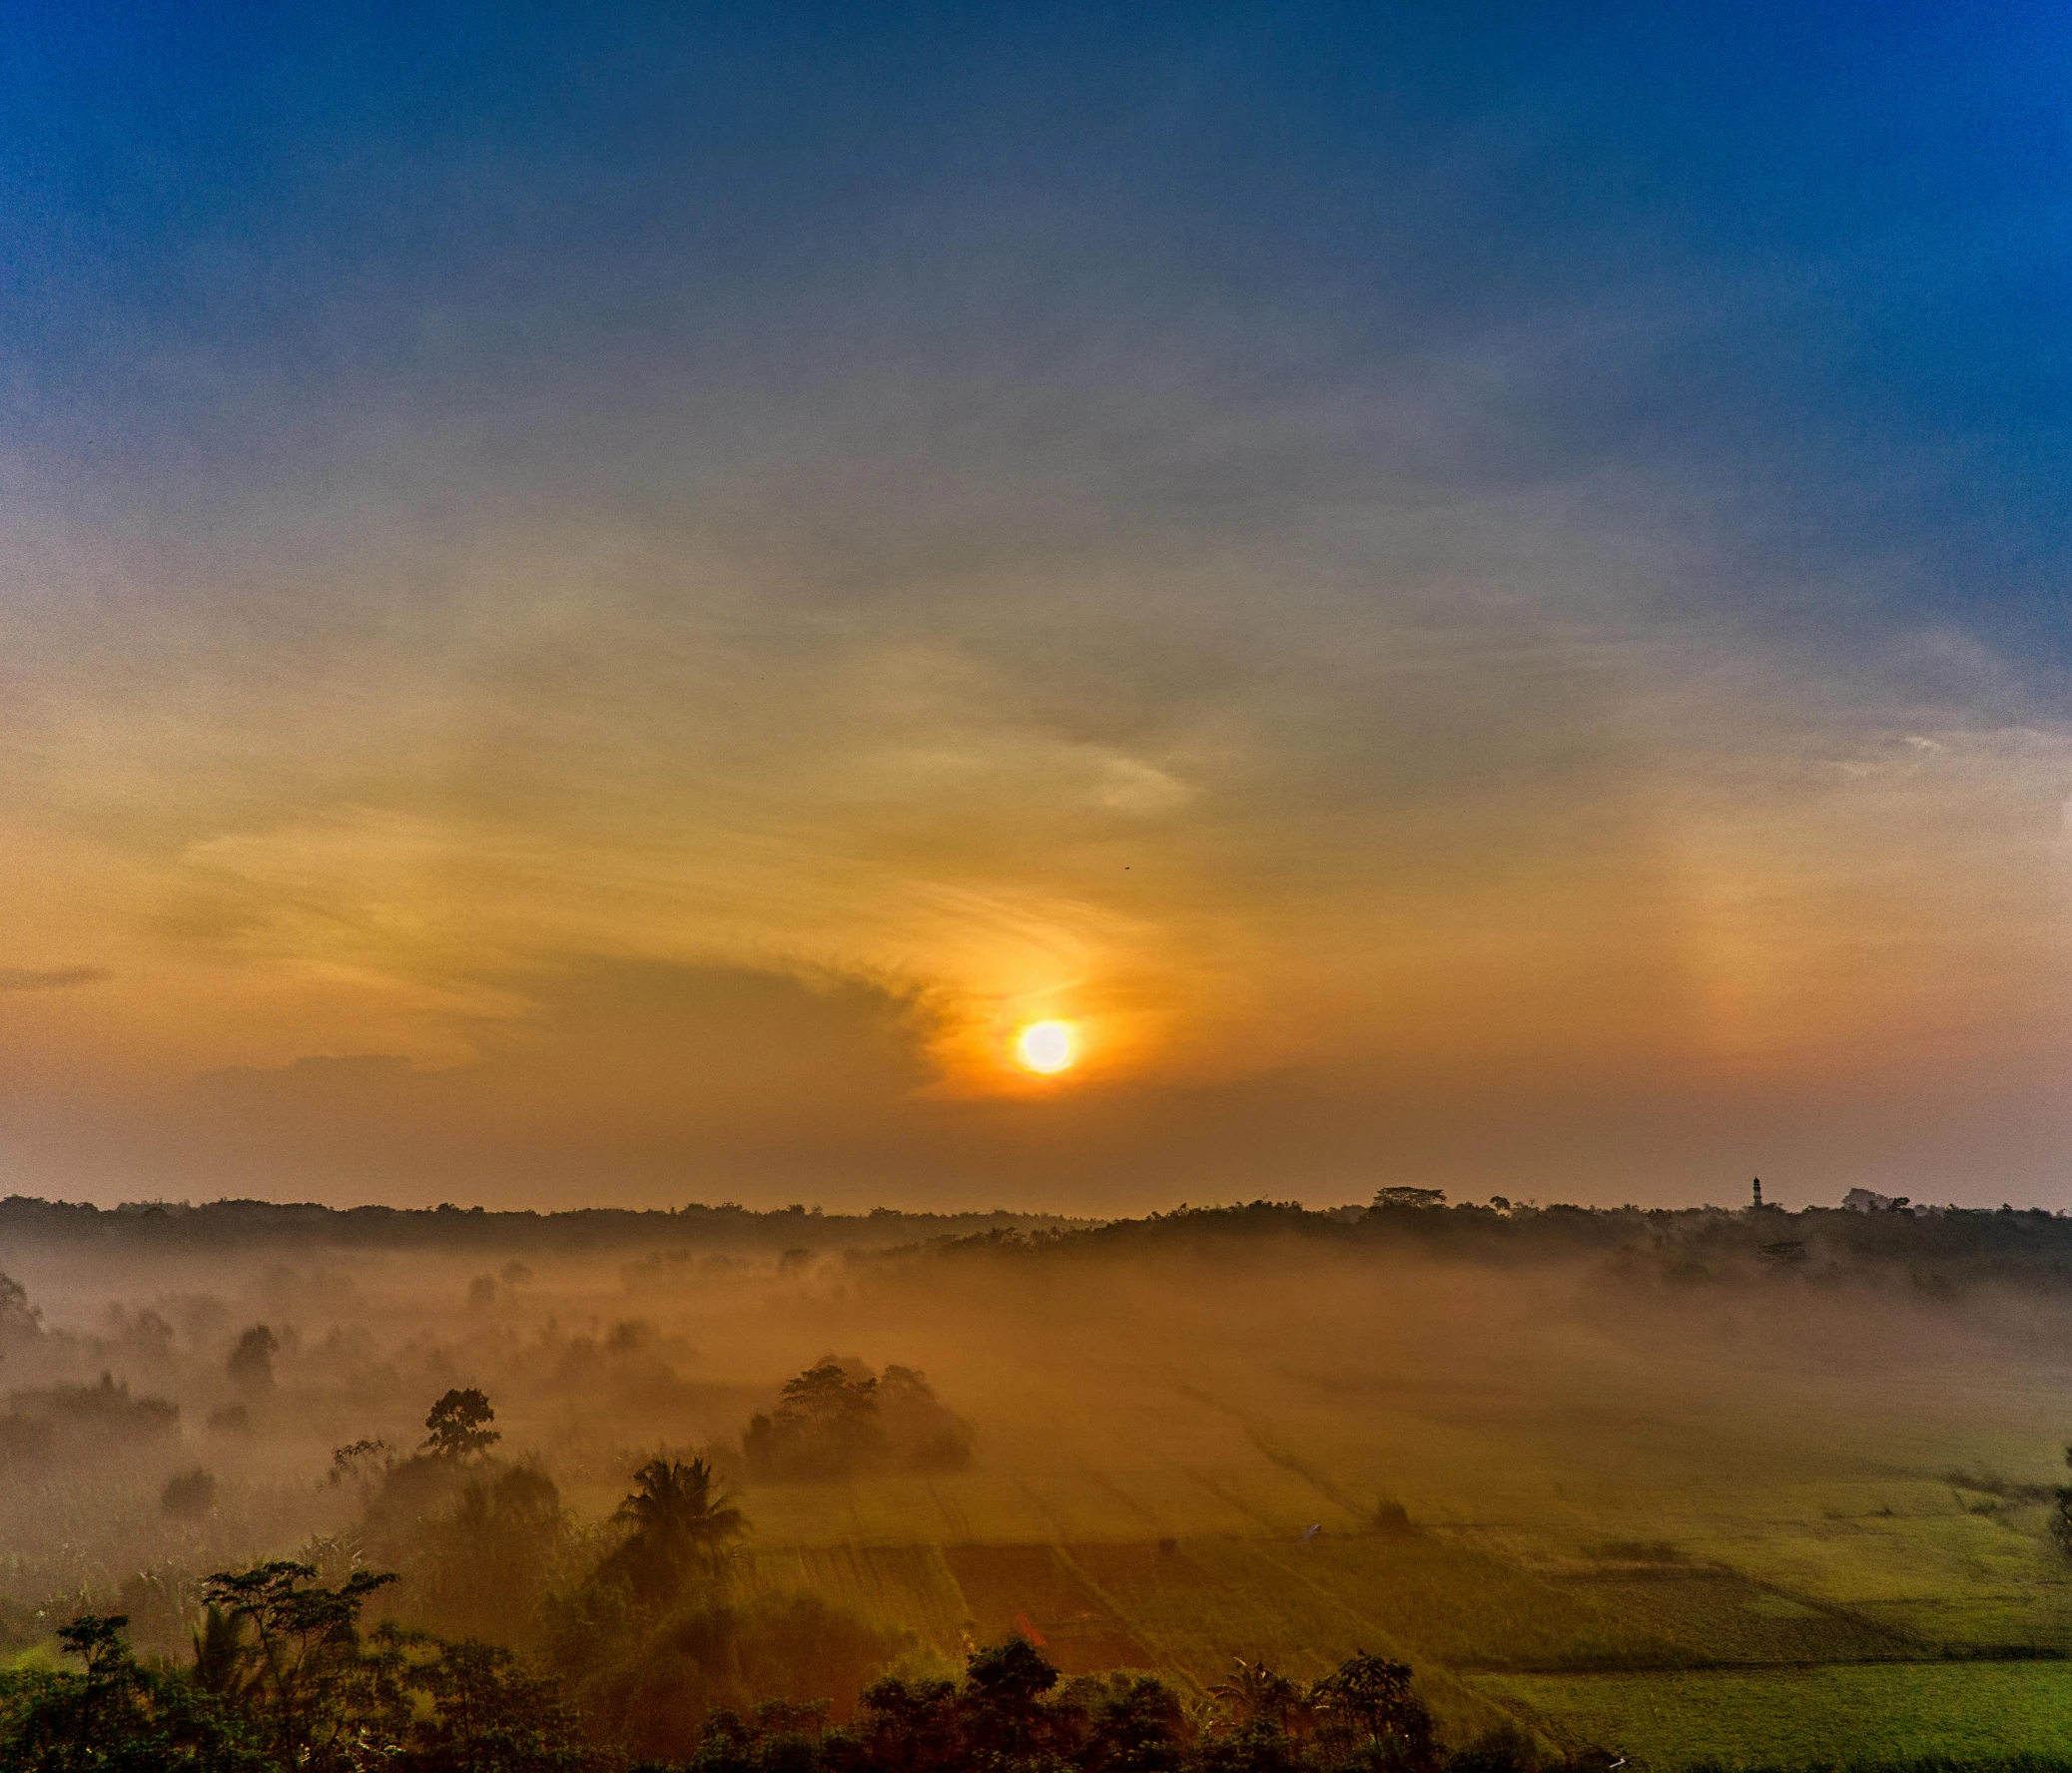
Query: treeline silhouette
(284,1677)
(1939,1248)
(243,1224)
(284,1680)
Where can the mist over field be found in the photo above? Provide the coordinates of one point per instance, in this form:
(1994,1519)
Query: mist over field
(618,615)
(1529,1454)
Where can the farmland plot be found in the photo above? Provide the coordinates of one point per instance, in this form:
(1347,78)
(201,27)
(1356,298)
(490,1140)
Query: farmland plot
(1777,1717)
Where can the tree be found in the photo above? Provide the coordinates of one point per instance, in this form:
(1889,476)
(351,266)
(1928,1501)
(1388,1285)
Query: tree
(19,1320)
(116,1717)
(1371,1701)
(925,1434)
(188,1495)
(1137,1726)
(1003,1687)
(2061,1513)
(1256,1695)
(825,1426)
(301,1673)
(489,1714)
(217,1647)
(478,1566)
(682,1517)
(251,1364)
(457,1425)
(910,1726)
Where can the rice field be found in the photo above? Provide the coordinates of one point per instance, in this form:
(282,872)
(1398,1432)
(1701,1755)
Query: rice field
(1768,1717)
(1676,1590)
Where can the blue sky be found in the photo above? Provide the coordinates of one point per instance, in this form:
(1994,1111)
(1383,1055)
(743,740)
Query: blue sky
(1545,532)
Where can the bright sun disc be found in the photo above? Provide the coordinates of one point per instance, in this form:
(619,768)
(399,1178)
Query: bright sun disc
(1045,1048)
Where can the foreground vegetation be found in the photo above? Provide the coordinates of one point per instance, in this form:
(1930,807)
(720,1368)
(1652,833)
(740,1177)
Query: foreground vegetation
(282,1678)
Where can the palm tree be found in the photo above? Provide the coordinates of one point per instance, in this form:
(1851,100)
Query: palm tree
(681,1516)
(1256,1695)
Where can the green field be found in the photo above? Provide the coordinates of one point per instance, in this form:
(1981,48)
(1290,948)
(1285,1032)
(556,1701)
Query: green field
(1670,1667)
(1772,1717)
(1688,1525)
(1763,1575)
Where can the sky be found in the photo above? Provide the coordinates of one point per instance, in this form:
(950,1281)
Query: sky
(601,605)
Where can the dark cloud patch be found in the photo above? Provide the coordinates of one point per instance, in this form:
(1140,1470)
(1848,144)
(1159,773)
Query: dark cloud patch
(50,978)
(625,1071)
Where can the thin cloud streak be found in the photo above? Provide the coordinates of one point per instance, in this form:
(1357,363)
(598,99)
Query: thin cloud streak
(50,978)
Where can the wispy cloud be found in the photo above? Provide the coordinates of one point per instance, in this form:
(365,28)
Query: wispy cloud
(50,978)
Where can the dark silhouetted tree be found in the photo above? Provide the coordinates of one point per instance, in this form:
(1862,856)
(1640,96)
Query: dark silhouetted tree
(1256,1695)
(1002,1688)
(682,1518)
(116,1717)
(925,1434)
(489,1714)
(19,1320)
(2061,1513)
(1369,1705)
(301,1670)
(911,1727)
(825,1426)
(479,1566)
(251,1364)
(457,1425)
(189,1495)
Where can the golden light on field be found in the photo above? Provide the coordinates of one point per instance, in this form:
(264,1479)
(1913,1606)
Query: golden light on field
(1046,1048)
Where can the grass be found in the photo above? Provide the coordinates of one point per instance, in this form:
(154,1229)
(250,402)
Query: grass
(1578,1568)
(907,1588)
(1610,1654)
(1717,1616)
(1792,1718)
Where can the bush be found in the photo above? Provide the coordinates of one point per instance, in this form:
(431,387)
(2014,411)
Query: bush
(837,1420)
(188,1496)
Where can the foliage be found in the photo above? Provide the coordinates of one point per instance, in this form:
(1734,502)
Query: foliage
(835,1420)
(105,1410)
(19,1320)
(458,1425)
(1367,1705)
(487,1713)
(2061,1527)
(477,1546)
(825,1426)
(682,1520)
(417,1704)
(117,1717)
(1011,1711)
(301,1673)
(188,1495)
(657,1679)
(926,1434)
(304,1692)
(251,1364)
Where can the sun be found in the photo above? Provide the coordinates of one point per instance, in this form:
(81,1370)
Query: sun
(1046,1048)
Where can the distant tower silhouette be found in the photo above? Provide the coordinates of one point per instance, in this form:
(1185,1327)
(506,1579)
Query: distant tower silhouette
(1758,1191)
